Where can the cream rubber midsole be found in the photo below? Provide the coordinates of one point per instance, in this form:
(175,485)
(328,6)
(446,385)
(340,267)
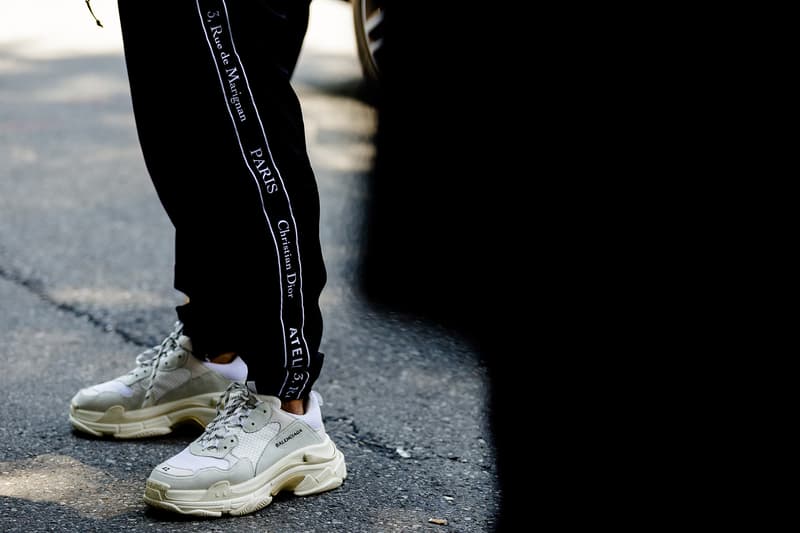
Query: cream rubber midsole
(306,471)
(116,420)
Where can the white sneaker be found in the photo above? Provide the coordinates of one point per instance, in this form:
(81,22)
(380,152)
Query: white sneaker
(251,451)
(168,386)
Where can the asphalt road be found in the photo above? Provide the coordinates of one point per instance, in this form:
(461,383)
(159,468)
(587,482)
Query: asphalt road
(86,283)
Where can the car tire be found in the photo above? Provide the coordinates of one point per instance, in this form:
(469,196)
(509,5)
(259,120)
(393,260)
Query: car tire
(368,21)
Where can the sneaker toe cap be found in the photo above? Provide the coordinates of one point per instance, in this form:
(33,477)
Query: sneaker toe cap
(101,397)
(202,475)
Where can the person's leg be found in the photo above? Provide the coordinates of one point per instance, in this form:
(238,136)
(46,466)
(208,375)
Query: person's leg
(213,75)
(222,134)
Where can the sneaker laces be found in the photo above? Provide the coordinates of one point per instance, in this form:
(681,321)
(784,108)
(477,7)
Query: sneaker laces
(233,409)
(152,356)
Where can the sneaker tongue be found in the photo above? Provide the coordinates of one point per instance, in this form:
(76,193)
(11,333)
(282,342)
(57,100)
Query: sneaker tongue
(185,343)
(252,386)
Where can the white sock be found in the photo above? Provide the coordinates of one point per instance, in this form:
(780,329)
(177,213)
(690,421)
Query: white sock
(313,415)
(236,370)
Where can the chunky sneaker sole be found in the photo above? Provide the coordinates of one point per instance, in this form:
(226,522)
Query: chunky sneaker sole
(147,422)
(304,472)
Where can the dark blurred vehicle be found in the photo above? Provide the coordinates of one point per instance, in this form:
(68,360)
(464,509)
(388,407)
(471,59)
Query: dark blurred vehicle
(441,238)
(368,22)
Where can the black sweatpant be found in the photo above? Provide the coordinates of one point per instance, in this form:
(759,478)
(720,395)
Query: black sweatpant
(222,135)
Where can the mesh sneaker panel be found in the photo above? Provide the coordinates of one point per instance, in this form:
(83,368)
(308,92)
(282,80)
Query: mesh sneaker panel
(167,381)
(111,386)
(188,461)
(251,445)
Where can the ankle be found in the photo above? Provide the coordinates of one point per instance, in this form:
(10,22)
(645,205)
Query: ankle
(223,358)
(295,407)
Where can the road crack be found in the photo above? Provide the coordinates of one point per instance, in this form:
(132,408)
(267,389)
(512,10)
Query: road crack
(37,288)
